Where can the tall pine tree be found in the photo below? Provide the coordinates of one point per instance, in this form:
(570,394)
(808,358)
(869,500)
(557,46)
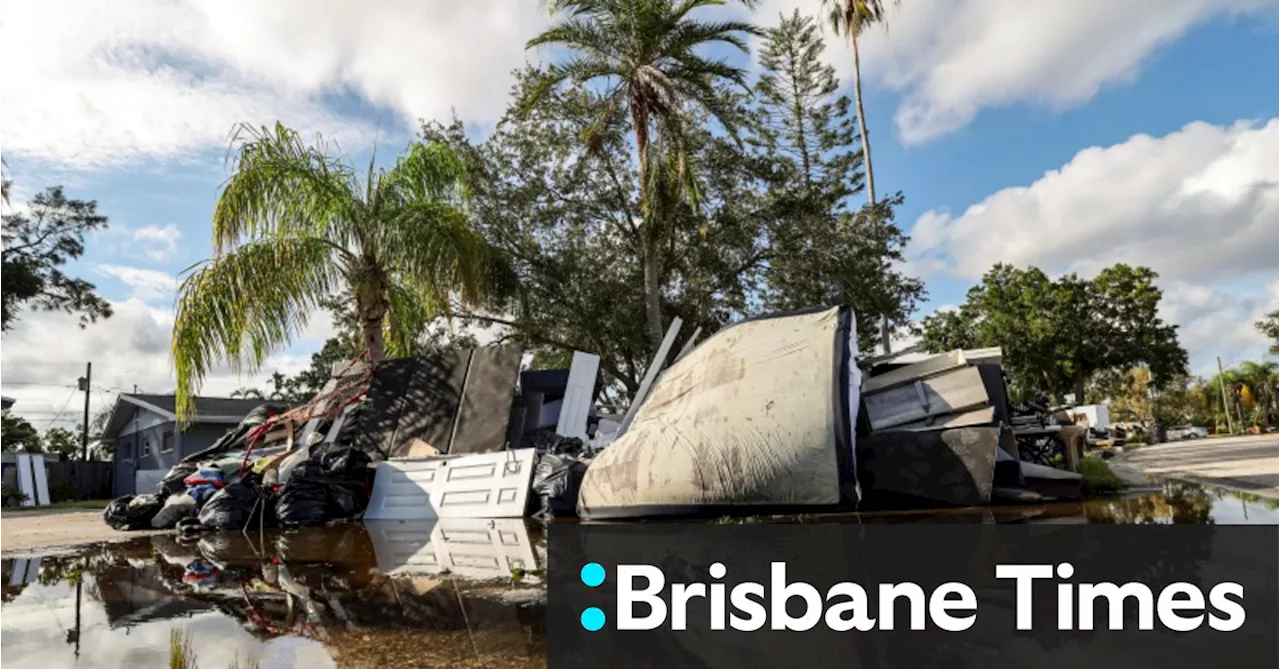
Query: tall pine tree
(826,252)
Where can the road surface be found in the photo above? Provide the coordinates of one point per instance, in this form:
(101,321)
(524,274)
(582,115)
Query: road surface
(1250,464)
(24,531)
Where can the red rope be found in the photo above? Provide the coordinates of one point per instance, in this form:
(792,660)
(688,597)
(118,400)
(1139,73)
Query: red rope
(259,433)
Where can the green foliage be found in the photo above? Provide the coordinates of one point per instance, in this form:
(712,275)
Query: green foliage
(1269,326)
(19,435)
(648,53)
(295,226)
(853,17)
(61,440)
(824,253)
(1058,334)
(37,243)
(1097,477)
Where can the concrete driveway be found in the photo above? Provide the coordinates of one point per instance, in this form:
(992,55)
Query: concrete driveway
(1250,464)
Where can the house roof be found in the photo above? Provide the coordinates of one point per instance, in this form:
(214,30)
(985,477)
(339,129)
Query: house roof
(216,410)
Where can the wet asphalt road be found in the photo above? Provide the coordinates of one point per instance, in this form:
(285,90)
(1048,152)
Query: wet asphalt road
(1249,463)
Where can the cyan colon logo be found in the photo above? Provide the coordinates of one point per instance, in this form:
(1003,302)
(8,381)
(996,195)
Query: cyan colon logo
(592,575)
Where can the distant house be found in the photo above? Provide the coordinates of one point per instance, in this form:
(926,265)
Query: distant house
(144,431)
(7,401)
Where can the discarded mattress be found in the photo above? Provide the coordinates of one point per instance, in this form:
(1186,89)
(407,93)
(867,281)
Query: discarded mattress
(760,415)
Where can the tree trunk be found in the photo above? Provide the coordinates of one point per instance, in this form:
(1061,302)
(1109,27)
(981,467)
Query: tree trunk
(648,240)
(371,305)
(866,161)
(1079,388)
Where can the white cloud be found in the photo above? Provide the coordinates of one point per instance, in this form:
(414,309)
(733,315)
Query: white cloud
(160,242)
(129,349)
(105,82)
(1199,206)
(952,58)
(148,285)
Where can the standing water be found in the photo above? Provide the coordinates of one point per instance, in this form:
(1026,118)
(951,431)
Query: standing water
(380,596)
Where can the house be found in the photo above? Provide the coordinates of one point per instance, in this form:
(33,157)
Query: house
(144,431)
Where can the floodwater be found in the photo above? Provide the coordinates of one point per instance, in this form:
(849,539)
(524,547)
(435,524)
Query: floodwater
(455,593)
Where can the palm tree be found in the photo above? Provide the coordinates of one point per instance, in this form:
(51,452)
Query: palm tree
(1270,327)
(294,225)
(645,52)
(852,18)
(1258,378)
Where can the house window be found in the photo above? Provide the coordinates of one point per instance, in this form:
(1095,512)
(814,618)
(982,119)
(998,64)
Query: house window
(166,443)
(146,448)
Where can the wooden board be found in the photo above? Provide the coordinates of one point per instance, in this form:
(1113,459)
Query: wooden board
(953,392)
(25,483)
(579,395)
(983,416)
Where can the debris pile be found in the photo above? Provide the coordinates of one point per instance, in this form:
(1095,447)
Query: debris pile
(772,413)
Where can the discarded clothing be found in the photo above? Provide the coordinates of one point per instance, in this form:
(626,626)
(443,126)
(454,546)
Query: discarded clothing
(231,508)
(175,481)
(132,513)
(176,507)
(556,479)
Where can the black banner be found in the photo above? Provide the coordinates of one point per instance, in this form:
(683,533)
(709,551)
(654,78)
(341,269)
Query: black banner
(912,596)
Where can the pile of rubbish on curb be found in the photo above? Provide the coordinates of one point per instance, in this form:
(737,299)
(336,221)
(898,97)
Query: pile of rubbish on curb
(775,413)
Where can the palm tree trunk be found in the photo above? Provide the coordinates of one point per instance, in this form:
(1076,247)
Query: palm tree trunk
(371,305)
(866,160)
(648,240)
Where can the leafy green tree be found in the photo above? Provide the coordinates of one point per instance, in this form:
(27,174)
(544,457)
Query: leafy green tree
(60,440)
(294,225)
(1269,326)
(647,54)
(19,435)
(824,254)
(37,243)
(1057,335)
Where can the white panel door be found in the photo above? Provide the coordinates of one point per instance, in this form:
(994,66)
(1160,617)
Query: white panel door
(40,472)
(25,483)
(483,485)
(478,548)
(578,395)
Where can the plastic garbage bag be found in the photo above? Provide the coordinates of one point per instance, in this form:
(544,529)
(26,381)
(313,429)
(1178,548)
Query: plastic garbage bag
(175,481)
(346,463)
(311,498)
(231,508)
(556,479)
(176,507)
(132,512)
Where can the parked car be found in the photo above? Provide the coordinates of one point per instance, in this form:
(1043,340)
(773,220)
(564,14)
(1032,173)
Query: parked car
(1187,432)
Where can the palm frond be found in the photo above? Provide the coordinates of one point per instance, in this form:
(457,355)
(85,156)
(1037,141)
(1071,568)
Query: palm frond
(244,305)
(411,309)
(282,186)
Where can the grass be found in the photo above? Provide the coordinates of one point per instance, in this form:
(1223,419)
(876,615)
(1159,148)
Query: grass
(1098,479)
(67,504)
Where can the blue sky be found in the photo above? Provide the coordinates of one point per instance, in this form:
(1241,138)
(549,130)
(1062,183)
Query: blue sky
(1011,127)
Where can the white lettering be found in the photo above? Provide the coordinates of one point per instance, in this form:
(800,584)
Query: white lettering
(681,593)
(1023,574)
(1168,606)
(939,607)
(780,592)
(1234,610)
(856,604)
(628,596)
(890,593)
(1115,596)
(754,610)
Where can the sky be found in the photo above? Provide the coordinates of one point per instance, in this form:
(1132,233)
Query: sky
(1064,135)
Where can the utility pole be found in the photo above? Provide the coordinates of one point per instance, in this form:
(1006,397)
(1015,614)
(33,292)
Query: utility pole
(1222,384)
(84,385)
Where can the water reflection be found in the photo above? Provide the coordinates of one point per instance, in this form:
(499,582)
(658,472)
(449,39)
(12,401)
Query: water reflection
(445,593)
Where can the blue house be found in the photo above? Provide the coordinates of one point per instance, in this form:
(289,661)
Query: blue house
(147,439)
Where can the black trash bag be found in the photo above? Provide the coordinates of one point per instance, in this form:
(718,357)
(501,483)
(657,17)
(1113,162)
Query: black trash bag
(132,512)
(311,498)
(235,439)
(176,507)
(556,479)
(172,483)
(231,508)
(545,440)
(346,463)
